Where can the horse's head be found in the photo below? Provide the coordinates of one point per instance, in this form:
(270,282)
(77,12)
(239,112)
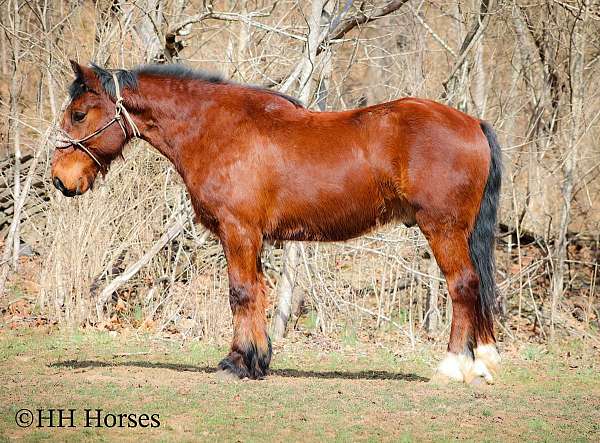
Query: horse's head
(91,135)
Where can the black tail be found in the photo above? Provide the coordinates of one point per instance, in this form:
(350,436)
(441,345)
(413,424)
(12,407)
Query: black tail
(482,239)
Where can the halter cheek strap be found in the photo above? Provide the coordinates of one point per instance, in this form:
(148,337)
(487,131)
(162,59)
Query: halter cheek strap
(64,140)
(121,111)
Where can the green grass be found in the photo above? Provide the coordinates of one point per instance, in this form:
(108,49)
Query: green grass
(312,395)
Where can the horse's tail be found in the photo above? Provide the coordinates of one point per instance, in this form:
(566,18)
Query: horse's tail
(482,238)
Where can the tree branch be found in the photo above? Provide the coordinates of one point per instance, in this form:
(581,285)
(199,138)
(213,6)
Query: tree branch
(470,39)
(349,24)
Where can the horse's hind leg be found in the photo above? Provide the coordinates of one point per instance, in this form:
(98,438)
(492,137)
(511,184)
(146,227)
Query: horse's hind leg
(250,352)
(451,250)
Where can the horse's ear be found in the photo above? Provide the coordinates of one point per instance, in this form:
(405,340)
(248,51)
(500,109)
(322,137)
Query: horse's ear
(86,76)
(76,68)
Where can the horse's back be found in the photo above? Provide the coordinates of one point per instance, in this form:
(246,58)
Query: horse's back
(413,150)
(336,175)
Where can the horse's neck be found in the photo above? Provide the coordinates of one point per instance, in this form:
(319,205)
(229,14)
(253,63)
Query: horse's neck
(161,120)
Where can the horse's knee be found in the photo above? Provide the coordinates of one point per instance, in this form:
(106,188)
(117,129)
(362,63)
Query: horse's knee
(239,297)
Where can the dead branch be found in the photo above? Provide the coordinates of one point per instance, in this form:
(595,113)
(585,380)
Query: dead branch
(173,231)
(469,41)
(349,24)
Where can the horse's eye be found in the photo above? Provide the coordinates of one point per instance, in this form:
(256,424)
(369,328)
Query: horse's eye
(78,116)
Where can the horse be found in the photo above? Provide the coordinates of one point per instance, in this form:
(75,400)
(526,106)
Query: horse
(259,166)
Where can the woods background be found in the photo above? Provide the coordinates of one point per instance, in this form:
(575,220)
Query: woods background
(128,254)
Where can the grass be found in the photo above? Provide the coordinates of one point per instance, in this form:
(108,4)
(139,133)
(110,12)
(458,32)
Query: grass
(312,395)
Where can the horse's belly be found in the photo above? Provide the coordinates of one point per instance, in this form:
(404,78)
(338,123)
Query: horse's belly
(339,219)
(321,228)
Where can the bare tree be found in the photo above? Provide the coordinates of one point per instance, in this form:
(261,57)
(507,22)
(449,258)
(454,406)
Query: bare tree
(527,67)
(287,281)
(149,30)
(317,39)
(13,240)
(577,86)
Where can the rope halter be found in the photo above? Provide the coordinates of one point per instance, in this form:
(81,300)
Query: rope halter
(64,140)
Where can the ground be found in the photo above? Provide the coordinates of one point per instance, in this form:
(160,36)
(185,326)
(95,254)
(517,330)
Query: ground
(357,392)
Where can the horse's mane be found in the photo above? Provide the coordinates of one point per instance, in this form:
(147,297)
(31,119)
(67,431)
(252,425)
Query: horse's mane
(129,79)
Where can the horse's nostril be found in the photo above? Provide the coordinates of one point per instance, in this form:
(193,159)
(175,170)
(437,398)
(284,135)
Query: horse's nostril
(61,187)
(58,184)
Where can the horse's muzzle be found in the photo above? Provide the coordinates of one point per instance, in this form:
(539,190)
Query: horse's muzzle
(58,184)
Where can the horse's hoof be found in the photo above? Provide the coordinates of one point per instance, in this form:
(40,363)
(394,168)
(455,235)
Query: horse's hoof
(226,376)
(478,382)
(439,379)
(487,362)
(233,365)
(453,367)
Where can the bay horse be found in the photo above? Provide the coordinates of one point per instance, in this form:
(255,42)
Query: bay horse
(259,167)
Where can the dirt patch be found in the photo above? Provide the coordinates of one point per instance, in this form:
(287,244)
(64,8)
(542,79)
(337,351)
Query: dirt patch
(352,394)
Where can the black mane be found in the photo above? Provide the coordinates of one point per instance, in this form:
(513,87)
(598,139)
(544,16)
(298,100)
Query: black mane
(129,79)
(180,71)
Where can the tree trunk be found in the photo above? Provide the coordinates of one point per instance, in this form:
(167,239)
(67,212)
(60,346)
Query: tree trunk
(291,256)
(10,256)
(456,85)
(433,313)
(15,135)
(149,32)
(576,66)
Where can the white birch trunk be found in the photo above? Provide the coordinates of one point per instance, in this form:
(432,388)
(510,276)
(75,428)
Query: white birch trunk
(291,256)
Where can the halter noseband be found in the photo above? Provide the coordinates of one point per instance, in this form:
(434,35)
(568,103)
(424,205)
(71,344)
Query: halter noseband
(120,112)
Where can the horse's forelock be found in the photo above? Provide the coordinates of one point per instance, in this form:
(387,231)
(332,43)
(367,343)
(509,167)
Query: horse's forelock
(77,88)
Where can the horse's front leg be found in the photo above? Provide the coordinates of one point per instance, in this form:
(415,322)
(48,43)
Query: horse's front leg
(250,352)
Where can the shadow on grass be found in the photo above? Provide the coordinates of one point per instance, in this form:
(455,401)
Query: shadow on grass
(289,373)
